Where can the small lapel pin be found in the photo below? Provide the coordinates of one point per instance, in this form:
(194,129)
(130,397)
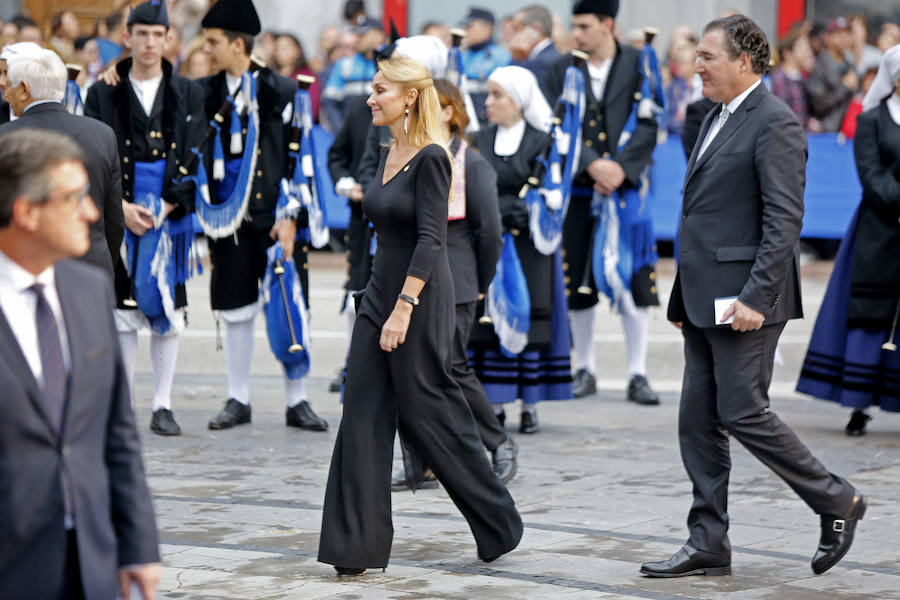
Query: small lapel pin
(406,168)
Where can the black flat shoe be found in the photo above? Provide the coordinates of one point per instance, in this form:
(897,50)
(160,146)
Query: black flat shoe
(233,414)
(302,416)
(503,460)
(400,483)
(857,424)
(837,536)
(163,423)
(583,384)
(689,561)
(528,422)
(338,382)
(348,572)
(639,392)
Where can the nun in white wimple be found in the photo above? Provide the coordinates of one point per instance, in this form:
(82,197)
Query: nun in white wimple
(853,357)
(537,367)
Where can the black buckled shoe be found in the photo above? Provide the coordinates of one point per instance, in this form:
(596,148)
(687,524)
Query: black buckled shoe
(234,413)
(302,416)
(689,561)
(528,422)
(503,460)
(639,392)
(857,424)
(583,384)
(163,423)
(400,483)
(837,536)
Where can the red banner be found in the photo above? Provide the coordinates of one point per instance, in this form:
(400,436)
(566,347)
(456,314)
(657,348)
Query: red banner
(396,11)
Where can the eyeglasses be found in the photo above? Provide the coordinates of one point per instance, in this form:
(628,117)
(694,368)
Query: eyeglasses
(76,198)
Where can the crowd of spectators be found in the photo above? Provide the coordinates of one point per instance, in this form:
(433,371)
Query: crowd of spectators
(821,70)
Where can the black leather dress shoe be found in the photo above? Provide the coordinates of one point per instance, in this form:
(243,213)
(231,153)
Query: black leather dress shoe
(503,460)
(639,392)
(348,571)
(857,424)
(837,536)
(689,561)
(528,422)
(163,423)
(233,414)
(583,384)
(399,482)
(302,416)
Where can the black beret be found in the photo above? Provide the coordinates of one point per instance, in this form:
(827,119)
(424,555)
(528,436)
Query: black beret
(233,15)
(149,13)
(603,8)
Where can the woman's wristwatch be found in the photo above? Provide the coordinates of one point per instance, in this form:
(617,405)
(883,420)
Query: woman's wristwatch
(408,298)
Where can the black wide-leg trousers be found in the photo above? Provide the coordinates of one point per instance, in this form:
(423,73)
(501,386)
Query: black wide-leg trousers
(725,391)
(410,388)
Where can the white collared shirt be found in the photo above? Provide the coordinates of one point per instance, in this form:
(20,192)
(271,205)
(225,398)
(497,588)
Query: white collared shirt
(731,108)
(146,91)
(508,138)
(19,305)
(599,75)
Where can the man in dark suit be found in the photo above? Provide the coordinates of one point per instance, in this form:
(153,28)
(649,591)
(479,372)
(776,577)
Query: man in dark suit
(741,219)
(37,86)
(76,508)
(531,46)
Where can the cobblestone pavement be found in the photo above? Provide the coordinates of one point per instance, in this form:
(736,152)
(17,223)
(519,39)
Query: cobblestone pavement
(600,487)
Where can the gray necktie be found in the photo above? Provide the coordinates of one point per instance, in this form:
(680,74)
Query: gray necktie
(723,116)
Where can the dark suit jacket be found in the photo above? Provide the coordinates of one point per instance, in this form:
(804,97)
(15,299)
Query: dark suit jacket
(474,243)
(540,64)
(693,120)
(4,112)
(101,160)
(350,142)
(742,214)
(604,121)
(98,447)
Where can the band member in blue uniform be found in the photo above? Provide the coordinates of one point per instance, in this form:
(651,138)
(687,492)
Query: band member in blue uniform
(481,57)
(610,167)
(351,77)
(158,117)
(247,159)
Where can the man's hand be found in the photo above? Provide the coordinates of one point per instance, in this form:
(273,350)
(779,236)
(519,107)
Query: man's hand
(138,219)
(393,333)
(285,231)
(145,576)
(607,174)
(851,80)
(745,318)
(110,76)
(356,194)
(677,324)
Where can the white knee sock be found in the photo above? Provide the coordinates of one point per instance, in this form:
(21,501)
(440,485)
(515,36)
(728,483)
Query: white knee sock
(636,327)
(295,390)
(164,354)
(582,324)
(238,354)
(128,342)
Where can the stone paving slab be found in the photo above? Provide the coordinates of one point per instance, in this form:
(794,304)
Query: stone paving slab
(601,488)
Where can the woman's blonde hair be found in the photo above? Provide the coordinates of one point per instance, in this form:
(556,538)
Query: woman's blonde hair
(425,125)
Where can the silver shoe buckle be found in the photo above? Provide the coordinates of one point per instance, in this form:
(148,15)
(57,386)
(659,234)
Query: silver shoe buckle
(838,525)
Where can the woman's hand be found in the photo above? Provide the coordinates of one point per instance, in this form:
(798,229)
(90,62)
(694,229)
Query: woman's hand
(394,331)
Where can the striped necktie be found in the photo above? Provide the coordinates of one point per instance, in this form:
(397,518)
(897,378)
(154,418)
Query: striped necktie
(54,369)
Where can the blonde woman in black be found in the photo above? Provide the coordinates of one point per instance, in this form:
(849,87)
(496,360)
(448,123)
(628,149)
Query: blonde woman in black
(398,368)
